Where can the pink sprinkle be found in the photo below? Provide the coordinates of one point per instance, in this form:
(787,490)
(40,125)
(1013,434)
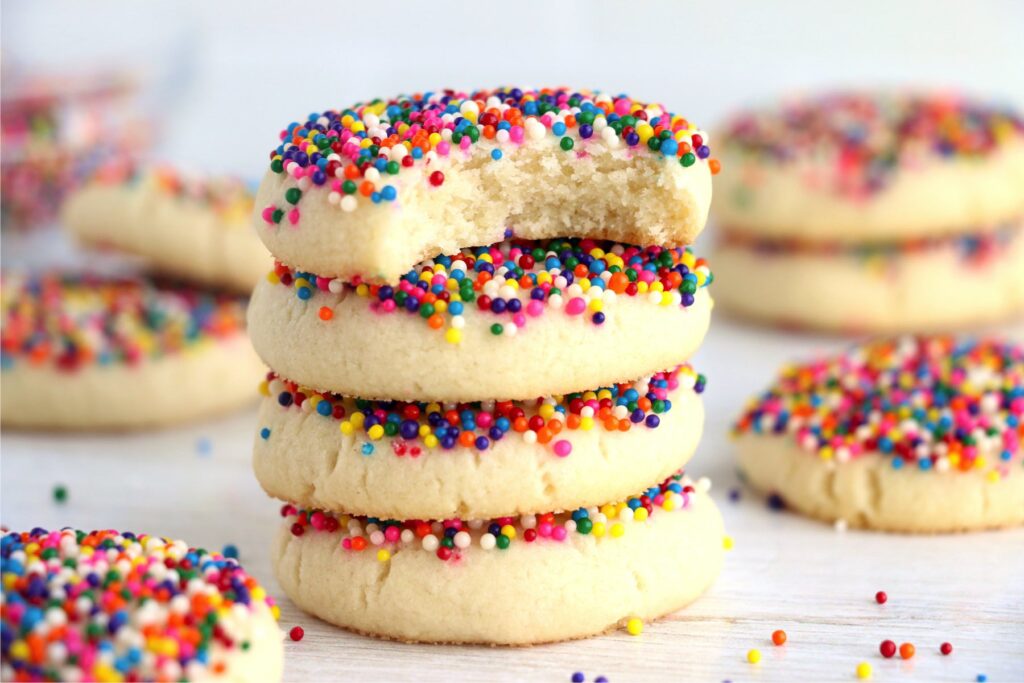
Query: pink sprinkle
(534,308)
(392,534)
(559,533)
(544,529)
(622,106)
(443,148)
(268,214)
(293,216)
(562,448)
(515,134)
(388,305)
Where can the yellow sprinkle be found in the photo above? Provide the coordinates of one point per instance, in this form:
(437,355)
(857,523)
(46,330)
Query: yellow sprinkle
(993,476)
(596,305)
(275,612)
(375,432)
(265,388)
(546,411)
(453,335)
(272,278)
(425,430)
(754,656)
(357,419)
(430,441)
(640,514)
(508,530)
(863,670)
(618,529)
(586,423)
(383,555)
(597,529)
(362,290)
(346,427)
(727,542)
(19,650)
(635,626)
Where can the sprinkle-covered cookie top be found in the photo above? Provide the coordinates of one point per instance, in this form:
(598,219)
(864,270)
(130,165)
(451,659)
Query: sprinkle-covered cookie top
(73,321)
(518,280)
(358,154)
(414,428)
(449,538)
(865,138)
(110,606)
(930,403)
(228,197)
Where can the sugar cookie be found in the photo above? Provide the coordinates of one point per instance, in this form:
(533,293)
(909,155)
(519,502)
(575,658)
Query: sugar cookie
(104,605)
(914,435)
(91,352)
(192,228)
(421,461)
(369,191)
(510,581)
(515,320)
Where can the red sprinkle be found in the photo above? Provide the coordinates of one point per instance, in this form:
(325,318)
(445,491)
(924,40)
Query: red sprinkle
(881,597)
(436,178)
(907,650)
(946,648)
(296,633)
(779,637)
(887,648)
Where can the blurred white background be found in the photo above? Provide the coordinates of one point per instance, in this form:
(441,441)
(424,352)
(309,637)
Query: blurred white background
(232,73)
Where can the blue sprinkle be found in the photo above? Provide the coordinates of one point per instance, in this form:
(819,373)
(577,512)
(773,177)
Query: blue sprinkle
(367,449)
(230,550)
(496,154)
(265,433)
(204,446)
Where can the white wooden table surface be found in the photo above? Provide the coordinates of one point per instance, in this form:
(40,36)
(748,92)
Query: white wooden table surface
(785,572)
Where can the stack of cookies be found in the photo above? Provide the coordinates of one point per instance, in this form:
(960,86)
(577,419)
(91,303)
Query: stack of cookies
(873,212)
(479,406)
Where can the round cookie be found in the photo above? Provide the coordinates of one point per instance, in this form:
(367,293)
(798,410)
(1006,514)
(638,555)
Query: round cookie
(912,435)
(370,191)
(516,320)
(422,461)
(870,168)
(105,606)
(91,352)
(510,581)
(945,283)
(196,229)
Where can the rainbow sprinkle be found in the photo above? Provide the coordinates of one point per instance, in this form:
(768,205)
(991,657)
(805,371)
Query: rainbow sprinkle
(112,606)
(517,280)
(447,539)
(865,139)
(71,321)
(360,151)
(232,199)
(931,403)
(480,425)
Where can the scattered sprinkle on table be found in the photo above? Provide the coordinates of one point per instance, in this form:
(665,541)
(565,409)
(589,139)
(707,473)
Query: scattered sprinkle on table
(635,626)
(296,633)
(907,650)
(754,656)
(946,648)
(863,670)
(887,648)
(779,637)
(60,494)
(881,597)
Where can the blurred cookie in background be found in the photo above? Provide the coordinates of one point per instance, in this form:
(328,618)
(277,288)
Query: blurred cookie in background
(197,229)
(915,435)
(93,352)
(872,212)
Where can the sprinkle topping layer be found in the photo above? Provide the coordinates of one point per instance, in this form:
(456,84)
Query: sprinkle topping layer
(72,321)
(413,427)
(866,138)
(517,280)
(112,606)
(930,403)
(356,154)
(448,539)
(230,198)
